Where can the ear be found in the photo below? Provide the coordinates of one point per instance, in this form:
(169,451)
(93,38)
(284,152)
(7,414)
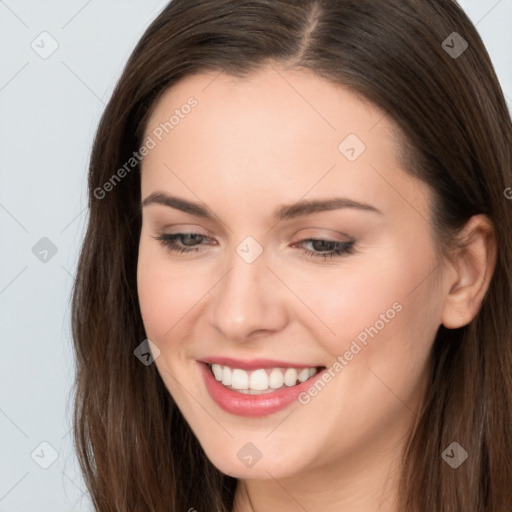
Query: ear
(471,270)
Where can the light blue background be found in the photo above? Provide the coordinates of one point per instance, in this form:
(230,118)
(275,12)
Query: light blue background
(49,112)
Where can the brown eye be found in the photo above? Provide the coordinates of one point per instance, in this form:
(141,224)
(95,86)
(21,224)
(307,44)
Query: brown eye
(328,248)
(181,242)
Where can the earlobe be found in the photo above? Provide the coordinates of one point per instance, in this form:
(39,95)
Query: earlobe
(474,265)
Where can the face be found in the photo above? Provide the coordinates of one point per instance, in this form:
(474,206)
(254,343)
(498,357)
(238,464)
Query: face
(317,317)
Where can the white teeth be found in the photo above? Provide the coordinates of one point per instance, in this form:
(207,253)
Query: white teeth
(290,377)
(262,380)
(226,376)
(276,379)
(217,371)
(303,375)
(258,380)
(239,379)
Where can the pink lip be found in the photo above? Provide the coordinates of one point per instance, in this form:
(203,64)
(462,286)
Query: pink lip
(252,405)
(254,364)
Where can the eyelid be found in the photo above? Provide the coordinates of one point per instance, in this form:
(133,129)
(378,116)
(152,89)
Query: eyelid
(184,229)
(334,236)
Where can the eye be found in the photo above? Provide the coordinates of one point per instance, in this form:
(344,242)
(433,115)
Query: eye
(188,241)
(328,248)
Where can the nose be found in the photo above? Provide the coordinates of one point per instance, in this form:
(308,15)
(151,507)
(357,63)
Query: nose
(249,301)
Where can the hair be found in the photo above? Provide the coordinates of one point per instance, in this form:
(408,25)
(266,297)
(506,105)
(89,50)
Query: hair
(135,449)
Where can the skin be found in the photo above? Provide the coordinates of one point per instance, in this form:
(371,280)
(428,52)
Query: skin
(250,146)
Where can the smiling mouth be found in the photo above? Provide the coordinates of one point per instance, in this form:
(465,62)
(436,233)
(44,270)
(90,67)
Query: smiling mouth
(263,380)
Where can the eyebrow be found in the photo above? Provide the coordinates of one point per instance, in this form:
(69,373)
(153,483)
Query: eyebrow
(284,212)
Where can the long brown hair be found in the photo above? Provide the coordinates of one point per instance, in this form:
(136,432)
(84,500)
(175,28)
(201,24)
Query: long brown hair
(136,451)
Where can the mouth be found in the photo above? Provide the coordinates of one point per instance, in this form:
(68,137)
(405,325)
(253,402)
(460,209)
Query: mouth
(262,380)
(258,389)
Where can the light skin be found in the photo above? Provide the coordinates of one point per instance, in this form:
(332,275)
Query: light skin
(249,147)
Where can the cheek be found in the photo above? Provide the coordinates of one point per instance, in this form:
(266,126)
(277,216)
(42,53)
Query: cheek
(388,300)
(166,295)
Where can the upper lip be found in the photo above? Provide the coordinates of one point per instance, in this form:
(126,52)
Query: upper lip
(254,364)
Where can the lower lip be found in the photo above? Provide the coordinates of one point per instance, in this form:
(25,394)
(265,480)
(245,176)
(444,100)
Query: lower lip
(252,405)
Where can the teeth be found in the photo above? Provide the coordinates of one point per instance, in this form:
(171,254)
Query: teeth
(226,376)
(290,377)
(276,379)
(217,371)
(262,380)
(258,380)
(239,379)
(303,375)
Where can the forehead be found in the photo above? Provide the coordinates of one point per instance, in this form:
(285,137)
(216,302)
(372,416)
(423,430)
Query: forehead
(277,131)
(272,97)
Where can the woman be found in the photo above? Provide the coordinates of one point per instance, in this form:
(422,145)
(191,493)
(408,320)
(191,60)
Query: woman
(294,291)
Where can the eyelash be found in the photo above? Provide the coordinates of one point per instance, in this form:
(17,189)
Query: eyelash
(341,248)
